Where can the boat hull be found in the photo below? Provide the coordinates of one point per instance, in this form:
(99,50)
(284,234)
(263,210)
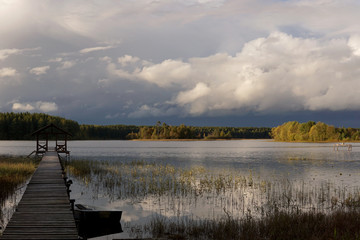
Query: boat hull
(94,223)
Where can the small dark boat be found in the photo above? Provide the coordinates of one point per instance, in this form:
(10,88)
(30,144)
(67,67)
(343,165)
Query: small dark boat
(91,214)
(95,222)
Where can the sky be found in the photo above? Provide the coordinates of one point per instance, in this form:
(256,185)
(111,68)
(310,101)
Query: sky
(194,62)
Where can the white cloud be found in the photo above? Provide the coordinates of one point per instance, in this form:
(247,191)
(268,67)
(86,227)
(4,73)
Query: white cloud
(196,94)
(93,49)
(106,59)
(144,111)
(5,53)
(119,73)
(354,44)
(36,106)
(165,74)
(7,72)
(39,70)
(46,106)
(156,110)
(214,3)
(127,59)
(58,59)
(276,73)
(22,107)
(67,64)
(199,91)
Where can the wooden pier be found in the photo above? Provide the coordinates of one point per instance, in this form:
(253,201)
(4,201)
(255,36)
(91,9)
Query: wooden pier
(44,211)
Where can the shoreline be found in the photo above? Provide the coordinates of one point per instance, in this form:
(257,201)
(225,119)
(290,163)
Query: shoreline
(193,140)
(202,139)
(239,139)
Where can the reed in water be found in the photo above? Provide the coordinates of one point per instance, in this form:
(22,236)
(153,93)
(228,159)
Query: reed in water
(14,171)
(242,206)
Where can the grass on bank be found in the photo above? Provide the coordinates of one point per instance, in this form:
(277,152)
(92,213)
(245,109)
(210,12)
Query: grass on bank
(14,171)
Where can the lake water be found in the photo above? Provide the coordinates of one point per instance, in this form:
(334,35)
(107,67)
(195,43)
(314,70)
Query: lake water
(267,158)
(294,166)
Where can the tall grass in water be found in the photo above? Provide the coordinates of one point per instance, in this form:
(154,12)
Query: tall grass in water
(13,172)
(234,205)
(278,225)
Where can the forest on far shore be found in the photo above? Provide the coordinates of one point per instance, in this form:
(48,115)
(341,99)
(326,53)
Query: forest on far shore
(20,126)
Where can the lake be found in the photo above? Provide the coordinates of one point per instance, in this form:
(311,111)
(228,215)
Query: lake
(251,174)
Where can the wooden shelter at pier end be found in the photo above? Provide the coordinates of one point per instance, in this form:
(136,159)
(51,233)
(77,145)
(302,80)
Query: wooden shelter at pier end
(53,133)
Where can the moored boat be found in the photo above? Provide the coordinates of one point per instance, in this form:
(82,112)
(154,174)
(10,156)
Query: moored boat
(94,221)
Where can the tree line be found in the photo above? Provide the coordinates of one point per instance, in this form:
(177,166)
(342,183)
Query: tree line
(20,126)
(164,131)
(313,132)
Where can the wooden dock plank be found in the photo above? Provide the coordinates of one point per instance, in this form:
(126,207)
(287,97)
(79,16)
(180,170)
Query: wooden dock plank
(44,211)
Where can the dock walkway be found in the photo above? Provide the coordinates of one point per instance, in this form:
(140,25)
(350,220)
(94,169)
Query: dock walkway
(44,211)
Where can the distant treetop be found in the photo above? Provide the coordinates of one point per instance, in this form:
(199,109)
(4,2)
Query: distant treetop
(313,132)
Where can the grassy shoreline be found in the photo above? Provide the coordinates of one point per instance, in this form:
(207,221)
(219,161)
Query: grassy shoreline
(14,171)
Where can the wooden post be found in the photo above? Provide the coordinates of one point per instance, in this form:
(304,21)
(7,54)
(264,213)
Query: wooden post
(56,142)
(65,142)
(37,143)
(47,142)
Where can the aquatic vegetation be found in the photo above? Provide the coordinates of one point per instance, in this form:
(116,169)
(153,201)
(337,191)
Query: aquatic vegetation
(13,172)
(137,180)
(277,225)
(82,169)
(199,203)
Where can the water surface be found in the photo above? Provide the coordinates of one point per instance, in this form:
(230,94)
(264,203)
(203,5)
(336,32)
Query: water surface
(310,166)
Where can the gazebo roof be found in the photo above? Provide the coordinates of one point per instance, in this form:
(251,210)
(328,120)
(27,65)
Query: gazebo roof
(53,130)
